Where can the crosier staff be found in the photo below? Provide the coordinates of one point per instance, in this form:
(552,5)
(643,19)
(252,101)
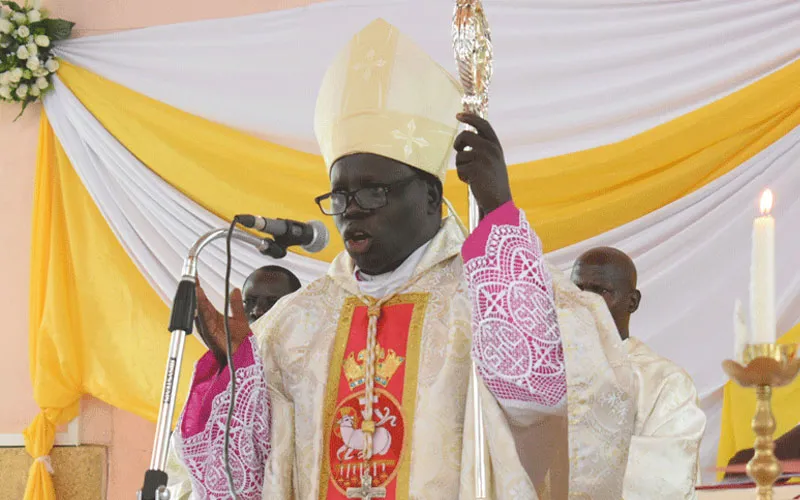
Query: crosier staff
(472,46)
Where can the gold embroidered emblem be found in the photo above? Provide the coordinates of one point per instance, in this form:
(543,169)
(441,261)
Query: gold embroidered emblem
(388,363)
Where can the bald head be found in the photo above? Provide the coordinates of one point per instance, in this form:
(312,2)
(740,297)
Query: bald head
(264,287)
(611,274)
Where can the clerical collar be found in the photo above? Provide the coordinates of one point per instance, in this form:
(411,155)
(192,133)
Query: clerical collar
(381,285)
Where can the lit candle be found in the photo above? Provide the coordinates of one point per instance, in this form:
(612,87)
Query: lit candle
(762,275)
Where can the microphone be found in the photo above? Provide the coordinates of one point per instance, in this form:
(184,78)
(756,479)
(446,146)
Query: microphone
(311,236)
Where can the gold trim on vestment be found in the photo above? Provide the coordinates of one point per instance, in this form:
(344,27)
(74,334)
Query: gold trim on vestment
(420,301)
(332,389)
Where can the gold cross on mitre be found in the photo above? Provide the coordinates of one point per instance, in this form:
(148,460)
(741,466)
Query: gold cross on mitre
(366,491)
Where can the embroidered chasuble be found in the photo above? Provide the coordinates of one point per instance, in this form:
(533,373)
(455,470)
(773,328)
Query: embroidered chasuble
(556,385)
(668,427)
(312,344)
(311,347)
(421,378)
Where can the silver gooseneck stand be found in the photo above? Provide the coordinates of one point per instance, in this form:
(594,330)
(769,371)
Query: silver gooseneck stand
(183,310)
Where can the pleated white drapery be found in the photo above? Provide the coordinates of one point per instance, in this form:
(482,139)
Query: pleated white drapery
(569,75)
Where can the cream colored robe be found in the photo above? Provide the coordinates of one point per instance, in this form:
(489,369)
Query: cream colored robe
(296,340)
(663,460)
(179,484)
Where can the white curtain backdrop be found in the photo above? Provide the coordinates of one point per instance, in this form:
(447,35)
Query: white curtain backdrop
(569,75)
(154,222)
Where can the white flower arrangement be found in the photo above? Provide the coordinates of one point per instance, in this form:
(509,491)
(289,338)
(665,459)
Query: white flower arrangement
(26,60)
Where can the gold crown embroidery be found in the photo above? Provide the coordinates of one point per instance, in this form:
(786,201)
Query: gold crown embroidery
(387,365)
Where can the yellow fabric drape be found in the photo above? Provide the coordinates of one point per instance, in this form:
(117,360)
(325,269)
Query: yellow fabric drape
(54,385)
(39,438)
(577,196)
(739,404)
(568,198)
(96,325)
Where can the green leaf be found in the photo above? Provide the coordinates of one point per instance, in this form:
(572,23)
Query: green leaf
(24,105)
(13,6)
(57,29)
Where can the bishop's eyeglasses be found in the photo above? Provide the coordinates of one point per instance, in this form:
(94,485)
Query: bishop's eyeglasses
(368,198)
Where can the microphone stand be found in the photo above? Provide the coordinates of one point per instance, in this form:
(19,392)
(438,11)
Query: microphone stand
(183,310)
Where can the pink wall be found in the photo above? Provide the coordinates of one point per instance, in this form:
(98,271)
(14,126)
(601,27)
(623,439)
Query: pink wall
(17,158)
(128,437)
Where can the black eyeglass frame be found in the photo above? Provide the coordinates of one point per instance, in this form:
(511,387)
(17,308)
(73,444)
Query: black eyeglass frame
(353,195)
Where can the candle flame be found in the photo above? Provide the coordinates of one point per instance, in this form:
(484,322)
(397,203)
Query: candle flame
(766,202)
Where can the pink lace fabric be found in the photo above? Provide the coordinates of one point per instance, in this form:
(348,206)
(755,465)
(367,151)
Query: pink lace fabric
(516,339)
(201,440)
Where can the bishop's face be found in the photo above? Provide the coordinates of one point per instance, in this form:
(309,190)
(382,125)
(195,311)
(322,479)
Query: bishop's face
(380,239)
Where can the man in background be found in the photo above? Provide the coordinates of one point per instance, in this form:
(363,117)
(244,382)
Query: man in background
(662,462)
(262,290)
(264,287)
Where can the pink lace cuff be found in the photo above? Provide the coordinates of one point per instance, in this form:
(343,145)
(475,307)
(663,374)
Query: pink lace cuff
(516,339)
(203,451)
(207,383)
(506,214)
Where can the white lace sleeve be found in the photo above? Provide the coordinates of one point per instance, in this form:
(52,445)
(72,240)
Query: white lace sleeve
(516,339)
(249,438)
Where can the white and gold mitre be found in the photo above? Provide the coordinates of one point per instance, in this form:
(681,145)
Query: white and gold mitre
(384,95)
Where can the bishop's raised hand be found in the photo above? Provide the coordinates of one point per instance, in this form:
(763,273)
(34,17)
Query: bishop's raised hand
(481,163)
(211,324)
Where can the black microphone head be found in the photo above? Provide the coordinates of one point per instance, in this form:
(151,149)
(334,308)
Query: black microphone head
(246,220)
(320,239)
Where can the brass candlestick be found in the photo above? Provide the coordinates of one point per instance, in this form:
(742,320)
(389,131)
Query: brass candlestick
(765,366)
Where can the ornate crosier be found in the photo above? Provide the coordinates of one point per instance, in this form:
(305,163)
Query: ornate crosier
(472,46)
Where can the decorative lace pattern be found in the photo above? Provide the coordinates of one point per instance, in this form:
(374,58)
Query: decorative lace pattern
(249,440)
(516,338)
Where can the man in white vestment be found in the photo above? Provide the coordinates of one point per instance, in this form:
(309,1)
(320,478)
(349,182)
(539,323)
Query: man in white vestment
(663,459)
(364,375)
